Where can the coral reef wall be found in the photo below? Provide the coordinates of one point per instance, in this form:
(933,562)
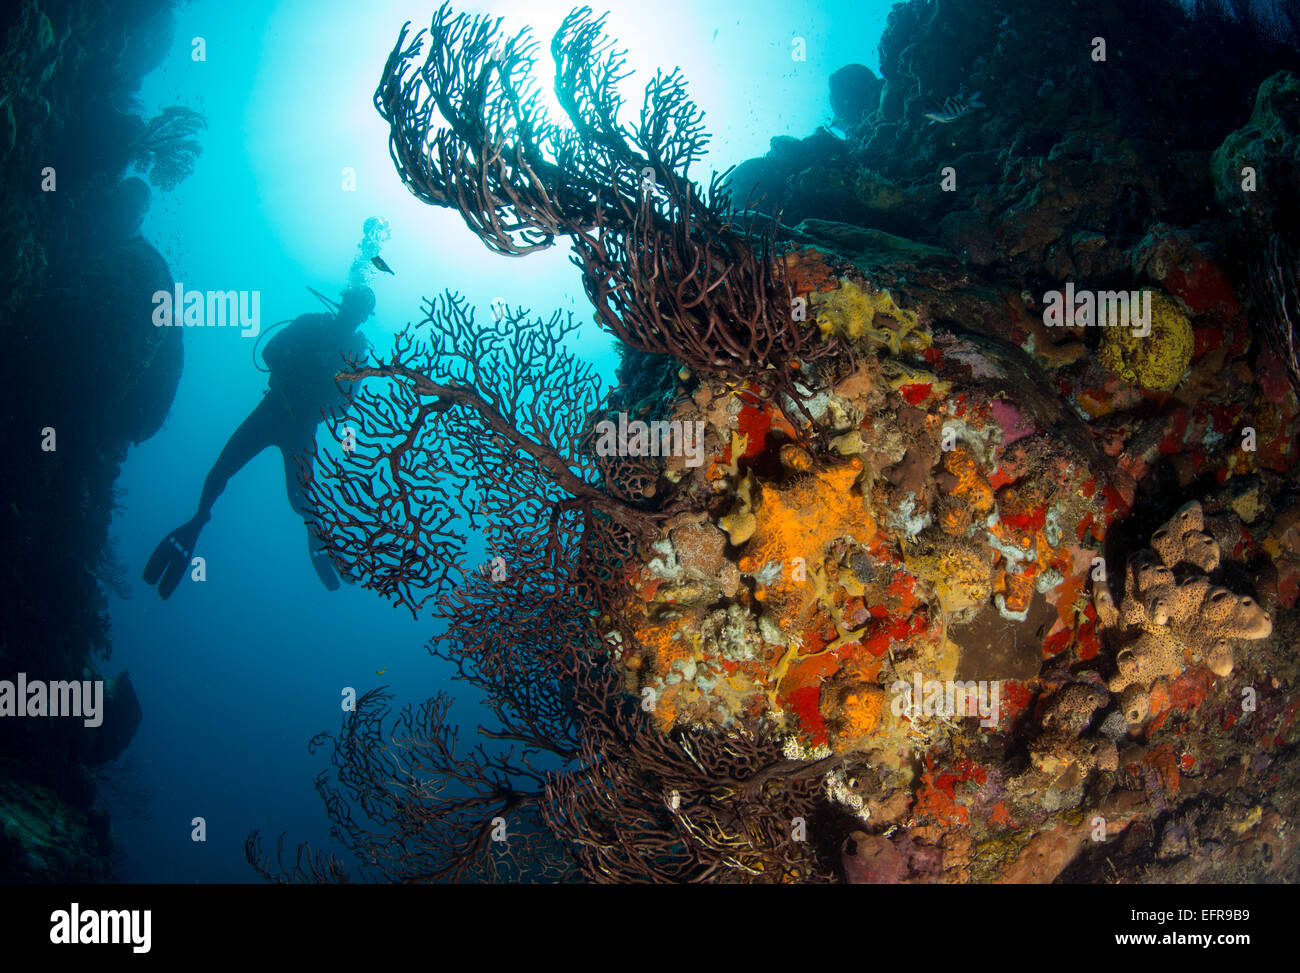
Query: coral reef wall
(74,319)
(995,452)
(946,527)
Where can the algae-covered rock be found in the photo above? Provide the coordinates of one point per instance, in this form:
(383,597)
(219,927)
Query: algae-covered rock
(43,838)
(1257,168)
(860,314)
(122,716)
(854,94)
(1155,361)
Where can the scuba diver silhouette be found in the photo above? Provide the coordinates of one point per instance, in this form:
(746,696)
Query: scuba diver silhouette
(303,360)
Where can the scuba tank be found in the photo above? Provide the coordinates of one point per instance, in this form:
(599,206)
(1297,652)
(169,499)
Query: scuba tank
(261,366)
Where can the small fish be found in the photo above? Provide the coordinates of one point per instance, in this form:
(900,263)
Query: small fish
(958,106)
(379,262)
(380,672)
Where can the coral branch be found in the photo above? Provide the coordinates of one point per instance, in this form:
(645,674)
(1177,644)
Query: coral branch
(467,419)
(1277,296)
(168,149)
(666,266)
(492,427)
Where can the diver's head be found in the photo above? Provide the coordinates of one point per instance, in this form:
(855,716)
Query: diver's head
(355,305)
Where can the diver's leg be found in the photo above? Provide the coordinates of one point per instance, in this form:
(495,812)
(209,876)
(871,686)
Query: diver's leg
(172,557)
(293,451)
(254,434)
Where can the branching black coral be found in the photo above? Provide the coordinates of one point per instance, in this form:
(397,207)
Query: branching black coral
(470,418)
(1277,297)
(412,805)
(168,149)
(491,426)
(694,805)
(629,805)
(665,263)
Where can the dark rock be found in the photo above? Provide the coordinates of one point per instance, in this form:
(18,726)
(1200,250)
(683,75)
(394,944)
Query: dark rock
(78,786)
(122,715)
(855,94)
(763,184)
(128,367)
(969,235)
(871,250)
(147,42)
(1270,144)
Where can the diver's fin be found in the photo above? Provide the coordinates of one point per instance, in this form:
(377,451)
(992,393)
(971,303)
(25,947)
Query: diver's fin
(320,560)
(171,559)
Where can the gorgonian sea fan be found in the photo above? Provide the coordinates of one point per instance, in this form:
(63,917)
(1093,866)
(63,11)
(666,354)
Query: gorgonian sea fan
(667,265)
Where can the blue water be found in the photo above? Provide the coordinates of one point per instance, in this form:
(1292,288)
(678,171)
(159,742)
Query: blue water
(236,674)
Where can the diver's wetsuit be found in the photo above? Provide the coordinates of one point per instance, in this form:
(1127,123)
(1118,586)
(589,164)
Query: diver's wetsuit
(303,358)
